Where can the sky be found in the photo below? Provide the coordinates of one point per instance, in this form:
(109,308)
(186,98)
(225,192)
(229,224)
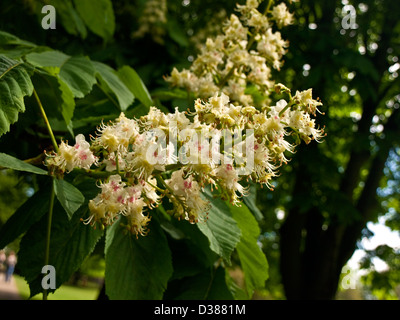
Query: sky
(382,235)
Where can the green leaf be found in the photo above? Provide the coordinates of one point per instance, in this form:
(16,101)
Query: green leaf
(191,254)
(10,39)
(169,94)
(207,285)
(77,72)
(236,291)
(253,260)
(14,47)
(71,242)
(56,97)
(176,33)
(137,268)
(15,84)
(113,86)
(25,216)
(51,58)
(220,228)
(98,16)
(69,196)
(70,19)
(10,162)
(358,62)
(136,85)
(251,202)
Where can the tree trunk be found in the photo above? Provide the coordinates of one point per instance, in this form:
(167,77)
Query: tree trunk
(313,254)
(314,251)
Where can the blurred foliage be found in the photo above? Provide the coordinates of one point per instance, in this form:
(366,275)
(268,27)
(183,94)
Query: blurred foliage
(14,190)
(355,73)
(345,68)
(382,284)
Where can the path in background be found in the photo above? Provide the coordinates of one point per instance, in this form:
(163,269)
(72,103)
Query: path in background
(8,290)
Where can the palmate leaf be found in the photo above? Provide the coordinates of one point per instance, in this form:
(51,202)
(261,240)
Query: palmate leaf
(207,285)
(31,211)
(135,85)
(15,84)
(113,86)
(10,39)
(69,18)
(10,162)
(56,97)
(251,202)
(137,269)
(98,16)
(61,78)
(71,242)
(77,72)
(220,228)
(253,260)
(69,196)
(13,47)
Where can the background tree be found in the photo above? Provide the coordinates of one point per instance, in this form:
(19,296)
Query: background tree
(326,195)
(330,192)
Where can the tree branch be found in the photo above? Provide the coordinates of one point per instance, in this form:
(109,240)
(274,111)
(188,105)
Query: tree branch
(367,202)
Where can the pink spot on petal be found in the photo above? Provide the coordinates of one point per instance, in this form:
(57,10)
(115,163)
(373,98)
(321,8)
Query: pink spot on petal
(187,184)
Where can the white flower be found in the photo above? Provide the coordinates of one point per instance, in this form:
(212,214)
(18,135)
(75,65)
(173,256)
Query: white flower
(231,79)
(187,197)
(262,161)
(239,57)
(114,194)
(296,119)
(98,211)
(118,135)
(115,199)
(109,139)
(154,119)
(150,192)
(66,157)
(77,156)
(257,20)
(218,102)
(250,4)
(145,158)
(179,118)
(281,15)
(209,60)
(85,158)
(236,91)
(110,202)
(272,46)
(111,161)
(260,74)
(137,221)
(234,29)
(309,129)
(183,79)
(205,86)
(227,176)
(152,20)
(128,127)
(273,125)
(304,99)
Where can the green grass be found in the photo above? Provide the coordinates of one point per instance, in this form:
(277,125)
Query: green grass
(65,292)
